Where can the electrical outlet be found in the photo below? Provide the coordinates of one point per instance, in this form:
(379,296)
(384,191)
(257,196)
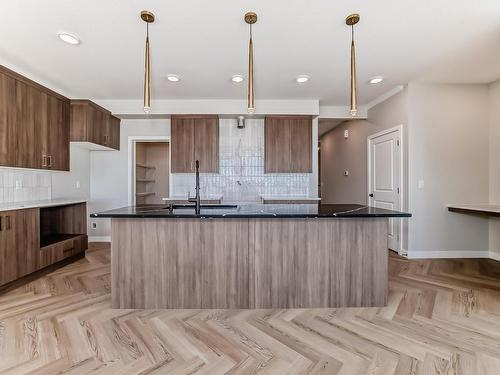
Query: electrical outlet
(94,225)
(19,184)
(77,184)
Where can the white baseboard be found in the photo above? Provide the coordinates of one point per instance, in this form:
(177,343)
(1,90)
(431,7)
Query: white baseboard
(449,254)
(100,239)
(494,255)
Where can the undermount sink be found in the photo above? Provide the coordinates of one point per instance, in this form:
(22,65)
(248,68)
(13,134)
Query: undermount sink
(203,206)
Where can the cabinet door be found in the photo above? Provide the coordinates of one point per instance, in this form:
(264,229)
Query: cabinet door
(27,100)
(7,120)
(42,131)
(114,132)
(206,144)
(59,135)
(19,243)
(277,145)
(182,131)
(288,144)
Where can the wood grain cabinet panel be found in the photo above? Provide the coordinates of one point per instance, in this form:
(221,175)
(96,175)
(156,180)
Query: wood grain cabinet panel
(206,144)
(182,131)
(94,124)
(288,144)
(195,138)
(34,124)
(7,120)
(19,244)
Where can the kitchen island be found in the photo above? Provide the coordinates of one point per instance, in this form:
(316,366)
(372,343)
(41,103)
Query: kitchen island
(250,256)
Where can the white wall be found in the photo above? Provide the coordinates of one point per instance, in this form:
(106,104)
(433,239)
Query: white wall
(448,152)
(494,135)
(109,172)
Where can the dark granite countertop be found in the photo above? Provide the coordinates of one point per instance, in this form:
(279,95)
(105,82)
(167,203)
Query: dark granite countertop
(254,211)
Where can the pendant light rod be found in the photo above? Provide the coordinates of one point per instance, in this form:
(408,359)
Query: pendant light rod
(352,20)
(147,17)
(250,19)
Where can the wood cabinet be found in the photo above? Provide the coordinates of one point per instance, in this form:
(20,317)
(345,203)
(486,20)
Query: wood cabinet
(35,238)
(288,144)
(19,244)
(195,138)
(34,124)
(94,124)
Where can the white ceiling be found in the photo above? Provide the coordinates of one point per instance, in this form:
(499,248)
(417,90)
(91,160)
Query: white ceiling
(205,42)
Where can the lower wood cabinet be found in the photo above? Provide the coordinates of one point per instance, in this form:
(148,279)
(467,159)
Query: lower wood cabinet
(32,239)
(19,244)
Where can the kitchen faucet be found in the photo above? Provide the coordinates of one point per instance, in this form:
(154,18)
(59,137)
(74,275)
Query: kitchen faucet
(196,198)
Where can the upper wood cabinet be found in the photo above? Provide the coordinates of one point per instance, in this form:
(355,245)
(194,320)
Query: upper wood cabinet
(94,124)
(288,144)
(34,124)
(195,138)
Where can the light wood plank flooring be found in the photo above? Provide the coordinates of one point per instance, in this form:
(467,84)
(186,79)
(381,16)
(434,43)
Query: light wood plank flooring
(443,317)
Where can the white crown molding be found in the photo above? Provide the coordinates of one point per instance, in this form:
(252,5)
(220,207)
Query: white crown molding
(384,97)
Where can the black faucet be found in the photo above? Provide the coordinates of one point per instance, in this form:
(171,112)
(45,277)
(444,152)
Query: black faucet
(196,198)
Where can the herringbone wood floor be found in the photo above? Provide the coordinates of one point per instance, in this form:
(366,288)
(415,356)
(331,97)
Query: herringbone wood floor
(443,317)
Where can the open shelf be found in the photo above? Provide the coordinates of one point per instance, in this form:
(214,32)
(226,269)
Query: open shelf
(52,239)
(144,194)
(144,166)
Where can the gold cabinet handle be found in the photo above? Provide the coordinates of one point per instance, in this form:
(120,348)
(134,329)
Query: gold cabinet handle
(44,160)
(1,228)
(8,226)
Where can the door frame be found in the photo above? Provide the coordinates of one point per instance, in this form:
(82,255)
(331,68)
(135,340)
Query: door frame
(132,140)
(402,172)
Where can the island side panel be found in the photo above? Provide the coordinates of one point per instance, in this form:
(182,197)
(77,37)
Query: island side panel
(302,263)
(156,263)
(180,263)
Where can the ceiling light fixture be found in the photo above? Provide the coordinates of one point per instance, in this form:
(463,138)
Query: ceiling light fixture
(237,78)
(147,17)
(173,78)
(352,20)
(68,38)
(302,79)
(250,19)
(376,80)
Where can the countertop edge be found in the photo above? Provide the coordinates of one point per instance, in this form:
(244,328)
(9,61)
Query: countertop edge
(39,204)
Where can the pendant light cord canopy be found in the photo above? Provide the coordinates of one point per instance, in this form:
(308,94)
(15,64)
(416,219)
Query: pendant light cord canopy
(250,19)
(352,20)
(147,17)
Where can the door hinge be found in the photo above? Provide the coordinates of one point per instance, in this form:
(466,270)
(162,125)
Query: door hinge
(397,142)
(398,190)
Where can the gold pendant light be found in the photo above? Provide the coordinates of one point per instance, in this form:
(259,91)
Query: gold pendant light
(352,20)
(147,17)
(250,19)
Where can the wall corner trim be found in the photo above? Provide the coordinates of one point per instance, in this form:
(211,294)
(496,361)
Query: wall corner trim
(384,97)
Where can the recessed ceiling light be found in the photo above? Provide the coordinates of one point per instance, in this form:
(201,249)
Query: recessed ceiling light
(68,38)
(237,78)
(173,78)
(302,79)
(376,80)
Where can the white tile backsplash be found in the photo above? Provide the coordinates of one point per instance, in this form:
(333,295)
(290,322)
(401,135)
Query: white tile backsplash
(241,174)
(18,185)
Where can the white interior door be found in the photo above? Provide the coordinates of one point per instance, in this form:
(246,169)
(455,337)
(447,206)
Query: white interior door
(384,178)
